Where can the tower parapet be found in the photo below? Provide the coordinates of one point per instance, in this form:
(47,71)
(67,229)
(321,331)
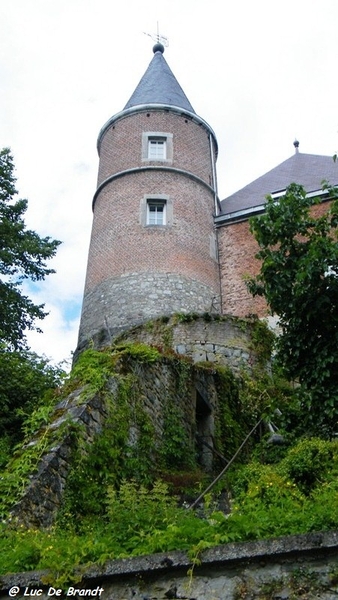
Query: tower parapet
(153,248)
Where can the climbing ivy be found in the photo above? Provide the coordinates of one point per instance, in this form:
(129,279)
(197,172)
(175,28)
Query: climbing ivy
(176,449)
(92,370)
(112,456)
(231,420)
(126,464)
(141,519)
(262,340)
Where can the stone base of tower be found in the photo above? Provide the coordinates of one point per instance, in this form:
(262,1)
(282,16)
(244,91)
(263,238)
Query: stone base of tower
(120,303)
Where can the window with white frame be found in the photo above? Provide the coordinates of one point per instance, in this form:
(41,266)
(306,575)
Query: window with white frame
(157,148)
(156,212)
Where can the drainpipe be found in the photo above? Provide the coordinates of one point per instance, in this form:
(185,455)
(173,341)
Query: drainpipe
(214,176)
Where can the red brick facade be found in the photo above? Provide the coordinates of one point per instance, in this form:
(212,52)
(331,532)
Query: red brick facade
(121,244)
(121,144)
(237,250)
(161,269)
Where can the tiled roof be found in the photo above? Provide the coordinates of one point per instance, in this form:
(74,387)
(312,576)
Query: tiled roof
(309,170)
(159,86)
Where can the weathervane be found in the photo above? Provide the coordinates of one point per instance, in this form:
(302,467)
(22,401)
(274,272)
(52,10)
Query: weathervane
(159,39)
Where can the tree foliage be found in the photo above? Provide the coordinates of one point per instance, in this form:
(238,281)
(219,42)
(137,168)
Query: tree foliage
(299,280)
(26,380)
(23,255)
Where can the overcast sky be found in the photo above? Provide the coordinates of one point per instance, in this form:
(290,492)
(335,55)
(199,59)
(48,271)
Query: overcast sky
(259,72)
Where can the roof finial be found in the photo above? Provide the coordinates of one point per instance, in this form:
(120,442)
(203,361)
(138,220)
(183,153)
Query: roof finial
(296,145)
(161,40)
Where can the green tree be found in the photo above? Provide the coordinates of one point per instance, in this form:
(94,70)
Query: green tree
(299,280)
(26,382)
(23,255)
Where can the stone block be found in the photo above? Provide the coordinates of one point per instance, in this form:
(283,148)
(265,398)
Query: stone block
(199,355)
(211,357)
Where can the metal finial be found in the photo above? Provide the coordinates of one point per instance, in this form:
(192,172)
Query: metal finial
(161,40)
(158,48)
(296,145)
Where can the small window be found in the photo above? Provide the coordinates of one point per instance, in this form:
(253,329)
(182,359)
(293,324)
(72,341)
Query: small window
(156,212)
(157,149)
(157,146)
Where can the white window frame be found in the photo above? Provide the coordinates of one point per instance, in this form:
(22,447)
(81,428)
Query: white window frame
(157,148)
(158,216)
(162,141)
(156,200)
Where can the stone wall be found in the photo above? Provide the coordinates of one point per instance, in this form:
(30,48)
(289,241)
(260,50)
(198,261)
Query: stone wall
(182,382)
(302,566)
(157,388)
(135,298)
(221,340)
(42,498)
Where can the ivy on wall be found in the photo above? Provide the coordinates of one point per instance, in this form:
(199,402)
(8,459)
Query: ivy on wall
(129,460)
(129,446)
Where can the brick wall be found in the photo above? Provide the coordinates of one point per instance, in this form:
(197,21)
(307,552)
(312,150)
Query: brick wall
(121,145)
(120,244)
(137,272)
(237,250)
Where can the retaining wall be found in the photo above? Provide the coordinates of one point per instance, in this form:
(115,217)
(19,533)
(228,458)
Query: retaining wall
(301,566)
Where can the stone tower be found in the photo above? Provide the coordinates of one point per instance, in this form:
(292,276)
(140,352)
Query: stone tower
(153,247)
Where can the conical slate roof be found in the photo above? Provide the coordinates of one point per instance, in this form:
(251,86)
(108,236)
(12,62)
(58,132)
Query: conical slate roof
(159,85)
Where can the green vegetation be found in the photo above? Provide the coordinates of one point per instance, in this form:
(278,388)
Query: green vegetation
(37,434)
(24,377)
(298,279)
(27,384)
(128,489)
(23,255)
(176,448)
(141,519)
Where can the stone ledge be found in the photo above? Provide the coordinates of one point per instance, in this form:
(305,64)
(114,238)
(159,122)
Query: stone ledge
(225,556)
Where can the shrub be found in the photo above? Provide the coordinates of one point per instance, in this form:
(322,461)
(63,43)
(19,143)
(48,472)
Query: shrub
(309,461)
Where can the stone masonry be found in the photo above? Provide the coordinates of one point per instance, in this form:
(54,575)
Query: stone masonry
(220,340)
(136,298)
